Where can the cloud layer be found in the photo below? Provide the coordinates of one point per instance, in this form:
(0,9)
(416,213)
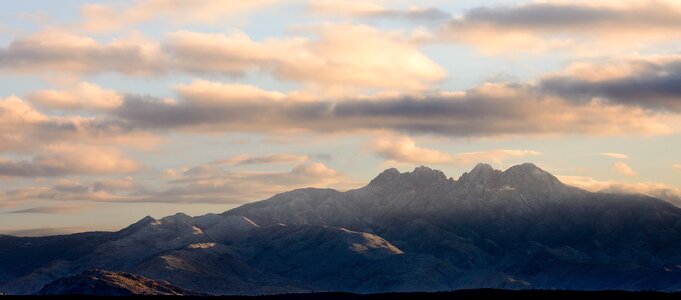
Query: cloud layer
(488,110)
(114,17)
(648,82)
(624,169)
(60,160)
(581,26)
(338,56)
(658,190)
(402,149)
(205,183)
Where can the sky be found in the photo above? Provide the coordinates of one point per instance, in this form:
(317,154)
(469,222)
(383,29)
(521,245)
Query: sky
(114,110)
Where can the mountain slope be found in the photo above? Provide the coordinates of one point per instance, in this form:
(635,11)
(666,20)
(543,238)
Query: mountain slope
(106,283)
(415,231)
(492,220)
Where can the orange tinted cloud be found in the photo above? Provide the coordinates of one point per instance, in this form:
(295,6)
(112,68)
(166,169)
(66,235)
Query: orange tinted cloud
(59,160)
(624,169)
(339,56)
(114,17)
(615,155)
(25,129)
(654,189)
(84,96)
(342,55)
(402,149)
(212,183)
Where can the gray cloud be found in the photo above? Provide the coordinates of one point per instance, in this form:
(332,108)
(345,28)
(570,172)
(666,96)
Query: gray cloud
(503,109)
(579,27)
(652,85)
(23,129)
(35,232)
(564,17)
(47,210)
(424,14)
(32,169)
(240,160)
(206,183)
(373,9)
(539,15)
(210,183)
(53,50)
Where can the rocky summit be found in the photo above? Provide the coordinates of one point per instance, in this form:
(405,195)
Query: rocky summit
(416,231)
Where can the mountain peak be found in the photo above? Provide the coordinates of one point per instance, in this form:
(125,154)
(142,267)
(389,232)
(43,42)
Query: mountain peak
(482,174)
(526,167)
(482,167)
(421,175)
(427,173)
(524,176)
(139,224)
(531,174)
(146,220)
(386,177)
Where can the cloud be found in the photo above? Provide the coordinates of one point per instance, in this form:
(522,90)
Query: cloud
(266,159)
(85,96)
(63,192)
(60,160)
(615,155)
(624,169)
(211,183)
(338,57)
(402,149)
(114,184)
(107,17)
(585,26)
(48,210)
(59,51)
(209,93)
(677,167)
(25,130)
(650,82)
(653,189)
(205,183)
(487,110)
(374,9)
(102,190)
(342,55)
(36,232)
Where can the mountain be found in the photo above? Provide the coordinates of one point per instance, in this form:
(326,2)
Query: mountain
(105,283)
(415,231)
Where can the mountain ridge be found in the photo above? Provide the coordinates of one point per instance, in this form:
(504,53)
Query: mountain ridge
(414,231)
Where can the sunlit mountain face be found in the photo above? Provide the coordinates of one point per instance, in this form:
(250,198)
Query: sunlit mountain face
(563,116)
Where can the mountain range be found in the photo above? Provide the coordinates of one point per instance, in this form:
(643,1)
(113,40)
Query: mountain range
(415,231)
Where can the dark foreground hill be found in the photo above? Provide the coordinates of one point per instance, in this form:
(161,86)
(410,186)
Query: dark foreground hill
(106,283)
(477,294)
(404,232)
